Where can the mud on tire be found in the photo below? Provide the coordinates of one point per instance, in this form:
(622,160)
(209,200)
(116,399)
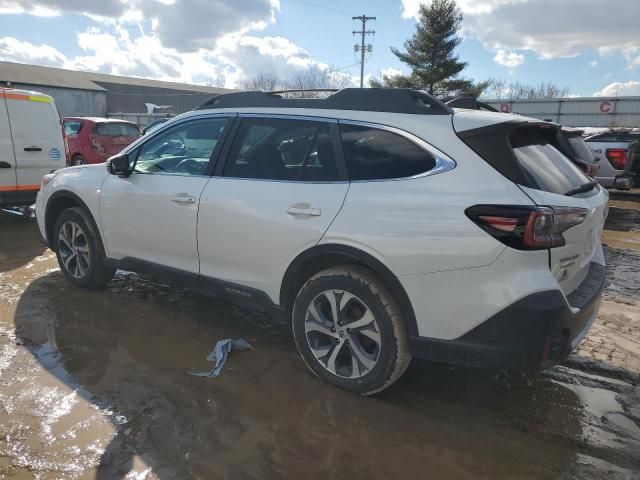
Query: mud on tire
(317,333)
(94,273)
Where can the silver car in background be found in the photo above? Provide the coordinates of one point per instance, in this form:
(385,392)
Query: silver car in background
(618,153)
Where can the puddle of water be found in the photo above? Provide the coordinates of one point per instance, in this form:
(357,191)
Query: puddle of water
(99,390)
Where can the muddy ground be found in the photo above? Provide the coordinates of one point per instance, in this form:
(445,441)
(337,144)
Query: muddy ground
(93,384)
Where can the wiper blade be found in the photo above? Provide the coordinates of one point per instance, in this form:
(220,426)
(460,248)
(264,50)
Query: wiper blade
(585,187)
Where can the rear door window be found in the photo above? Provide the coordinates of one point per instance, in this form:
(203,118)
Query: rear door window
(375,154)
(116,129)
(72,128)
(283,149)
(545,166)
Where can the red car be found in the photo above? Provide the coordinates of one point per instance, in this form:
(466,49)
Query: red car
(93,140)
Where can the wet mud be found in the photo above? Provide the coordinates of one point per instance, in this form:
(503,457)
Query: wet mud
(93,384)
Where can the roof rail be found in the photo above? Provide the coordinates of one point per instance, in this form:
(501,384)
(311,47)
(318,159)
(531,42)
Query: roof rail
(303,90)
(392,100)
(471,103)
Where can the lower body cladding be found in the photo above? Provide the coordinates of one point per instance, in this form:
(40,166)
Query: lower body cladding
(534,332)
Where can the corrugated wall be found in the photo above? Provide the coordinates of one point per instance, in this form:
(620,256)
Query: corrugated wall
(71,102)
(578,112)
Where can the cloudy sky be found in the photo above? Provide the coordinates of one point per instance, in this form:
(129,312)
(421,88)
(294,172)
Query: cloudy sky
(591,46)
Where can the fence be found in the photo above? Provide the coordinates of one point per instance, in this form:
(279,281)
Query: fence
(577,112)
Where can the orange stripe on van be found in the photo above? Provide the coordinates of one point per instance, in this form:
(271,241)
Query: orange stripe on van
(29,187)
(19,188)
(29,98)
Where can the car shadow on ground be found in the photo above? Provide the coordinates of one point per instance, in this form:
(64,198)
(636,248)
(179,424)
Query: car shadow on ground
(19,244)
(127,350)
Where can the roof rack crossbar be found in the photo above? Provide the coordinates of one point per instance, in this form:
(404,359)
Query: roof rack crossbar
(391,100)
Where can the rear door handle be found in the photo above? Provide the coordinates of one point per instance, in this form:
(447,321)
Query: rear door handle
(183,199)
(5,165)
(304,209)
(32,149)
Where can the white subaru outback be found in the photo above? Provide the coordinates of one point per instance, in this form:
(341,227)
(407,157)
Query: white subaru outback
(382,223)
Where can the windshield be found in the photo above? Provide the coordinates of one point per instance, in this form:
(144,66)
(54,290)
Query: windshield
(545,166)
(117,129)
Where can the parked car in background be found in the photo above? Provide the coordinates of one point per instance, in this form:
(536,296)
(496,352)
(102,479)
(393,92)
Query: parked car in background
(93,140)
(618,153)
(342,216)
(31,144)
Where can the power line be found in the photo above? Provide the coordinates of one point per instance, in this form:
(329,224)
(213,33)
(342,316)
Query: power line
(324,7)
(361,48)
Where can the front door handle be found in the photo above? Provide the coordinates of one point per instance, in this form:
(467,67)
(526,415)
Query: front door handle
(183,199)
(32,149)
(304,210)
(5,165)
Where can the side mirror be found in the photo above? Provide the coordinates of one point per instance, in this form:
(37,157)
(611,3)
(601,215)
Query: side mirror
(119,165)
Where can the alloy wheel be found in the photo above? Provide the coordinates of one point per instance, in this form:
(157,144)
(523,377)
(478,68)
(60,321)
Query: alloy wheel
(343,334)
(74,249)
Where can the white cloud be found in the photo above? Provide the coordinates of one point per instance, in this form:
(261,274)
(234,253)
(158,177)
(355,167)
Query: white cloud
(619,89)
(550,28)
(390,72)
(14,50)
(194,41)
(594,63)
(508,59)
(234,58)
(185,25)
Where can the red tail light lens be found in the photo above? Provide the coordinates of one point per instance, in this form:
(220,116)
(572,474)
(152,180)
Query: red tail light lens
(617,157)
(526,228)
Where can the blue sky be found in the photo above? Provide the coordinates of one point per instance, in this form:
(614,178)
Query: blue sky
(212,41)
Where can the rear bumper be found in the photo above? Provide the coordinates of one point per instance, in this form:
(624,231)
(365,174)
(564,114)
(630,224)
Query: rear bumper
(535,332)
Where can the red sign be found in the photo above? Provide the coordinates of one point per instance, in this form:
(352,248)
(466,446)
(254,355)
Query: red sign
(605,107)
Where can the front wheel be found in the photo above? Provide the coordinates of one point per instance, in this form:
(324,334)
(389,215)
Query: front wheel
(79,250)
(349,330)
(78,160)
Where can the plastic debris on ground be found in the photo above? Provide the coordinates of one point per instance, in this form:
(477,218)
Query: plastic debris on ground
(219,355)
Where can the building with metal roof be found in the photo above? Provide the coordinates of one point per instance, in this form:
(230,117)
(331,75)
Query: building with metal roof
(99,95)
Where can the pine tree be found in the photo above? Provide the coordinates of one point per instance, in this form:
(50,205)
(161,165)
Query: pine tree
(431,54)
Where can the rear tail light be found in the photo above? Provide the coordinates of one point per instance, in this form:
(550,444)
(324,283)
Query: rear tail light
(526,228)
(617,157)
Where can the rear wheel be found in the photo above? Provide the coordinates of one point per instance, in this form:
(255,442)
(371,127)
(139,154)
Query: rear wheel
(349,331)
(78,160)
(79,250)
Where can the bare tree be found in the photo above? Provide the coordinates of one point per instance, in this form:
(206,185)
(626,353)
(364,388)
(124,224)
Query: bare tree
(500,89)
(265,81)
(316,77)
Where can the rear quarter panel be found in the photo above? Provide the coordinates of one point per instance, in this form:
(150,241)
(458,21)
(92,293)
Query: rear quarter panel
(418,225)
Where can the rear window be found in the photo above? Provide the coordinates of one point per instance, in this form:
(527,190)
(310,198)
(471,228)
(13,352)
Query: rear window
(545,166)
(72,128)
(581,149)
(116,129)
(375,154)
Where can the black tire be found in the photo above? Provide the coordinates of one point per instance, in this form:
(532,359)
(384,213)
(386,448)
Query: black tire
(393,356)
(78,160)
(97,273)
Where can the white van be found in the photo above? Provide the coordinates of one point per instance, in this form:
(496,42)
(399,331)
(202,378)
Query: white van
(31,144)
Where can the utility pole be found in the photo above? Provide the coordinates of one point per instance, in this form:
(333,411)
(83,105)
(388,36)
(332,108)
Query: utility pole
(361,48)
